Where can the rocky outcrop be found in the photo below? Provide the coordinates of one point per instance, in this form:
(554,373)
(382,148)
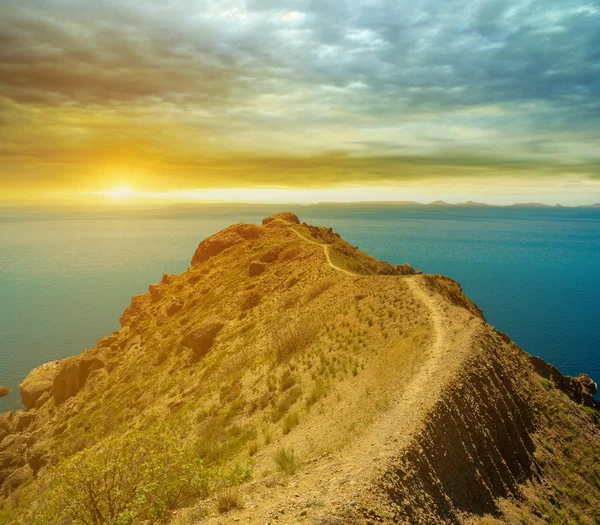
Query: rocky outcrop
(405,269)
(214,246)
(4,391)
(201,340)
(284,217)
(135,309)
(73,374)
(580,389)
(38,382)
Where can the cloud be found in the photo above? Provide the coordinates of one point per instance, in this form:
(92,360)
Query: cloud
(391,87)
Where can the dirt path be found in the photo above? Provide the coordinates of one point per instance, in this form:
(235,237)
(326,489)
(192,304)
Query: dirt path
(326,248)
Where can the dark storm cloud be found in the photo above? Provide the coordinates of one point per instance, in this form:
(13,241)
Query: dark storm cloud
(383,75)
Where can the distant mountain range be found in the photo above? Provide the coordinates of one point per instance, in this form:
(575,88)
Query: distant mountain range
(458,204)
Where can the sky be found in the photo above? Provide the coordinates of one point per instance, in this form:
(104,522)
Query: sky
(299,100)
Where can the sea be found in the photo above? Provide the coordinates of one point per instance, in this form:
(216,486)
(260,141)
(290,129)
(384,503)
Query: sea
(66,277)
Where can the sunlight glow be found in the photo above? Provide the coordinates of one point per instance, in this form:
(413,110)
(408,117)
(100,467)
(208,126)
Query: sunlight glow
(120,192)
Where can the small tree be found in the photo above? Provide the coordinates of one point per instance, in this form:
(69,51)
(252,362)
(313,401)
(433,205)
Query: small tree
(124,480)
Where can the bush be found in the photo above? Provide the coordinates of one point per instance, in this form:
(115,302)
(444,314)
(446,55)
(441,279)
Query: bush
(546,383)
(287,461)
(127,479)
(229,500)
(289,337)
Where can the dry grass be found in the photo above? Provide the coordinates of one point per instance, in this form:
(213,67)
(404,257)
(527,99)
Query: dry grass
(287,461)
(228,500)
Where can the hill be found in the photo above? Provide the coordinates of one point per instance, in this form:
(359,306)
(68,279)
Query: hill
(288,377)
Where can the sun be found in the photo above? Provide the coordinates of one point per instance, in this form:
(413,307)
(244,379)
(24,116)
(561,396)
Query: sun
(120,192)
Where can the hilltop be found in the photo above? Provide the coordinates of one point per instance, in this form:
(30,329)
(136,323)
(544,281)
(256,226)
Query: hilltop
(289,377)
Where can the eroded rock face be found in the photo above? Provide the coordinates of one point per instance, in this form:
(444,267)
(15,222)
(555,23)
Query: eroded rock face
(201,340)
(38,381)
(284,216)
(4,391)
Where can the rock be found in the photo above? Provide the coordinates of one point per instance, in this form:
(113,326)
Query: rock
(285,216)
(251,300)
(582,390)
(246,231)
(17,478)
(256,268)
(385,268)
(270,256)
(37,460)
(4,391)
(24,419)
(419,272)
(42,400)
(215,245)
(137,306)
(73,374)
(154,290)
(38,381)
(6,425)
(201,340)
(405,269)
(175,306)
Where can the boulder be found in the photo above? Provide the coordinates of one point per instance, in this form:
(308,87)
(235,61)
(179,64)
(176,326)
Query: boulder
(201,340)
(4,391)
(270,256)
(17,478)
(256,268)
(214,246)
(24,419)
(42,400)
(38,381)
(246,231)
(73,374)
(6,425)
(175,306)
(37,460)
(286,217)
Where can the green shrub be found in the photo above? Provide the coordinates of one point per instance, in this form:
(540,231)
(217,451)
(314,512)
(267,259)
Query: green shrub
(546,383)
(124,480)
(287,461)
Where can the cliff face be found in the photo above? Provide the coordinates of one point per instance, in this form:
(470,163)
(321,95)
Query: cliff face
(306,381)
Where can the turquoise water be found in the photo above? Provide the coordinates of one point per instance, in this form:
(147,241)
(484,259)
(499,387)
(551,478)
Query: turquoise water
(66,278)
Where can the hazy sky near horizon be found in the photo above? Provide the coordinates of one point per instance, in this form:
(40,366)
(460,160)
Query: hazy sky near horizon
(492,100)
